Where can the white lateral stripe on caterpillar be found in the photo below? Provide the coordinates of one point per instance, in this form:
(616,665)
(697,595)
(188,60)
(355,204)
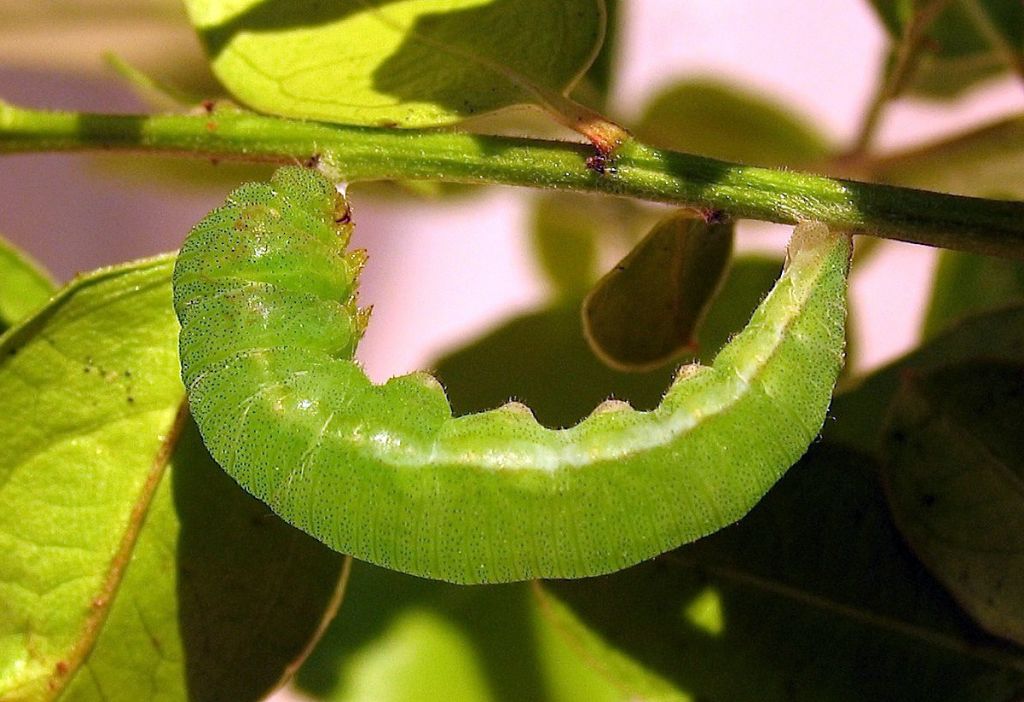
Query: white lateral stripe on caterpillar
(265,292)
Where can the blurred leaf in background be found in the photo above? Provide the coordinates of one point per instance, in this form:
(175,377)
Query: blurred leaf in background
(812,596)
(859,410)
(565,238)
(954,468)
(720,120)
(984,162)
(154,36)
(969,41)
(399,638)
(968,284)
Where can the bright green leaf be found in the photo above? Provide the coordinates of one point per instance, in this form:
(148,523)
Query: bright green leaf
(812,596)
(968,283)
(647,309)
(130,566)
(955,473)
(987,162)
(87,409)
(409,63)
(24,285)
(719,120)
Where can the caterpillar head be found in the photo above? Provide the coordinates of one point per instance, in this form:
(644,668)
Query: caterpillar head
(272,265)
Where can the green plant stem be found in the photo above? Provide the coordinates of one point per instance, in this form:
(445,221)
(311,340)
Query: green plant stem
(718,188)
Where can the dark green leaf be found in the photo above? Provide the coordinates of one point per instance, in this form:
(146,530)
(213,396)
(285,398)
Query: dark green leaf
(955,472)
(813,596)
(894,14)
(596,85)
(859,410)
(956,53)
(646,311)
(715,119)
(968,283)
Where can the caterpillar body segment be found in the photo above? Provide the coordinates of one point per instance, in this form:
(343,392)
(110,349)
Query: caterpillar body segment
(265,289)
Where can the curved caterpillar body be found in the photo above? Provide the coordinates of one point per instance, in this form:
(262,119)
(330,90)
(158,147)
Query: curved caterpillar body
(265,292)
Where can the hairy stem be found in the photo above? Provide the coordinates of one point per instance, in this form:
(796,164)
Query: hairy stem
(719,188)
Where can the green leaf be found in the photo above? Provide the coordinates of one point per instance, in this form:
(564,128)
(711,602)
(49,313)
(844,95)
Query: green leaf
(404,638)
(24,285)
(955,472)
(719,120)
(860,409)
(967,283)
(565,241)
(647,309)
(987,162)
(894,14)
(412,63)
(812,596)
(543,359)
(957,52)
(131,567)
(596,86)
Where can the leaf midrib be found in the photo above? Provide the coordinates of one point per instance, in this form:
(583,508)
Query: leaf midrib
(104,599)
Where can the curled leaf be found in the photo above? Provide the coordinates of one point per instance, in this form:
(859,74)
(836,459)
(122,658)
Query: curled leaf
(647,309)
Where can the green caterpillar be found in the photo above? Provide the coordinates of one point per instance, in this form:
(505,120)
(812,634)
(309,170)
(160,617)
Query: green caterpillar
(265,291)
